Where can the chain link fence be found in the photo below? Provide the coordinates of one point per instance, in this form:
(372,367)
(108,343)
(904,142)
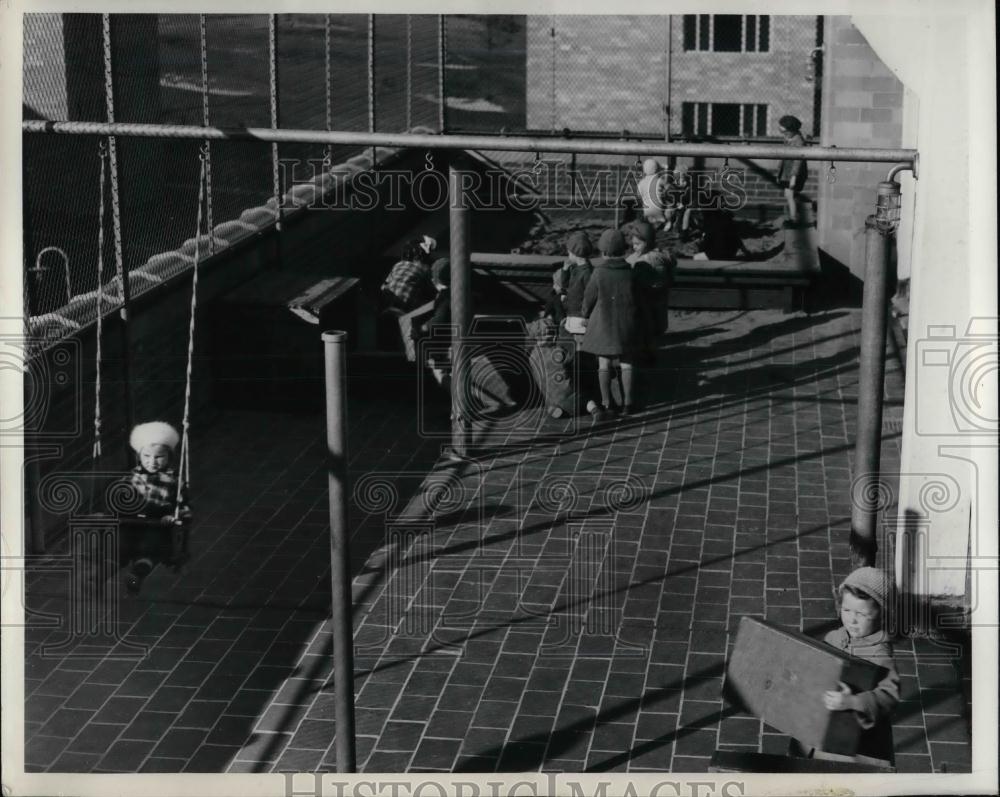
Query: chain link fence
(689,77)
(339,71)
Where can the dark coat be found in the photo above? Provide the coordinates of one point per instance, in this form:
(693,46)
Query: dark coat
(577,277)
(610,308)
(874,717)
(793,173)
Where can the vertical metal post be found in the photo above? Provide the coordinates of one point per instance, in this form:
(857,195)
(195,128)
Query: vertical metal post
(666,78)
(460,309)
(871,380)
(371,83)
(35,540)
(441,65)
(817,55)
(335,357)
(409,72)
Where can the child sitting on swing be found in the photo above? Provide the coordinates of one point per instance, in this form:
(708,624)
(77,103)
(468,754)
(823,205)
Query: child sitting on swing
(156,483)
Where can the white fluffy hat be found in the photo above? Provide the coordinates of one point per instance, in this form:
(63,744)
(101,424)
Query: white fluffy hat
(154,433)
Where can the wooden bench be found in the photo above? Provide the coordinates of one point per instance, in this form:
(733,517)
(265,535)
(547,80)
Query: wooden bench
(717,284)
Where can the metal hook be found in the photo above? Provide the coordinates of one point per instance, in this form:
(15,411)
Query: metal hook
(831,175)
(39,269)
(429,161)
(102,148)
(203,150)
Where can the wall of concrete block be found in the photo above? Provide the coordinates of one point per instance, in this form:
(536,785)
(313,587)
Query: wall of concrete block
(862,107)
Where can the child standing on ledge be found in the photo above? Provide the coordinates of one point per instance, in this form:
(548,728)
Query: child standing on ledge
(792,172)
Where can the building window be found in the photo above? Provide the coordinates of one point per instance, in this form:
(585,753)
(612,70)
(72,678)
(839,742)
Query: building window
(738,120)
(727,33)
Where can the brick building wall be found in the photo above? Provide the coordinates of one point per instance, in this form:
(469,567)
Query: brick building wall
(609,73)
(781,78)
(862,107)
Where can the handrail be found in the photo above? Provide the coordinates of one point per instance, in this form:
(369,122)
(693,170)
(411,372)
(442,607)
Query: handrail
(474,142)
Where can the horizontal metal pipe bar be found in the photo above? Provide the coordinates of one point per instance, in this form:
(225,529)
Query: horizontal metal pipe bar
(509,143)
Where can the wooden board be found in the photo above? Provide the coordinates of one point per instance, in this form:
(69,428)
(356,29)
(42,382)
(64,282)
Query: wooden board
(315,302)
(731,761)
(781,675)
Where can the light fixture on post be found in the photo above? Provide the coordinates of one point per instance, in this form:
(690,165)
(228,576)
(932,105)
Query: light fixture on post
(887,206)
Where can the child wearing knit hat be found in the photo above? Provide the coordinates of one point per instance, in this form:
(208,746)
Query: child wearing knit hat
(610,307)
(865,596)
(154,477)
(156,483)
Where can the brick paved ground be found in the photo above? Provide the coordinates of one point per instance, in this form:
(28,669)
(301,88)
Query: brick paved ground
(565,603)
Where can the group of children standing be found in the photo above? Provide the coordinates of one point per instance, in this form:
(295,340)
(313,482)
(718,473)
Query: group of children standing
(613,306)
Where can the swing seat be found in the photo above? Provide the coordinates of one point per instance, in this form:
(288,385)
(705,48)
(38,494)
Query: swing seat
(147,546)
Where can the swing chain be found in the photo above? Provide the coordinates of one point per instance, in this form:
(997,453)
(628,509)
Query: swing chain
(103,156)
(206,120)
(272,47)
(328,149)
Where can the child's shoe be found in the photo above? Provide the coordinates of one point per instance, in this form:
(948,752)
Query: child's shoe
(137,574)
(597,411)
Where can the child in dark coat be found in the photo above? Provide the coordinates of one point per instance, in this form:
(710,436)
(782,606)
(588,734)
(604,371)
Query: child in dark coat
(577,271)
(654,272)
(610,308)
